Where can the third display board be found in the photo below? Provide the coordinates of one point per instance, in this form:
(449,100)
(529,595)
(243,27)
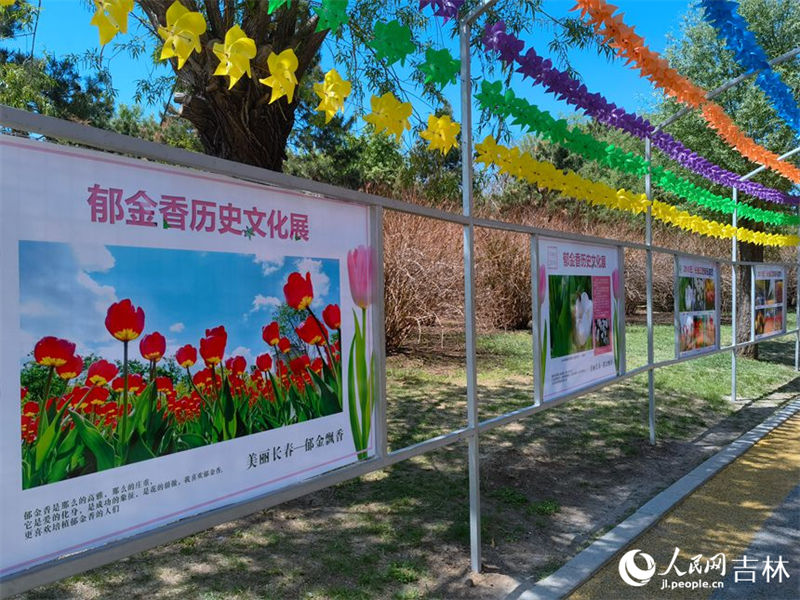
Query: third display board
(768,301)
(696,306)
(581,320)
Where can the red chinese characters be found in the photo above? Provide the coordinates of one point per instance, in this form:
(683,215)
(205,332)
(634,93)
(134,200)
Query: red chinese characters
(111,205)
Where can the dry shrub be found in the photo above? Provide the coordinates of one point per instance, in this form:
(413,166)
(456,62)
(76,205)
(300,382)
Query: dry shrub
(424,268)
(502,279)
(423,274)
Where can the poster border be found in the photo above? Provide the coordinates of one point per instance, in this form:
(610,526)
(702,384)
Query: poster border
(539,397)
(784,302)
(53,557)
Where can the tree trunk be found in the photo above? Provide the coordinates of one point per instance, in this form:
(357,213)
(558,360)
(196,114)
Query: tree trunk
(754,253)
(241,125)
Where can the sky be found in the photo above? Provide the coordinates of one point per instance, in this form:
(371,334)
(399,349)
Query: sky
(66,289)
(64,28)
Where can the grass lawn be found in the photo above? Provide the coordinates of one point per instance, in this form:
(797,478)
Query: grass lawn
(550,483)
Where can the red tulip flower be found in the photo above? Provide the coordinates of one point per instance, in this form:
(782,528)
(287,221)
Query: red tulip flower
(316,366)
(164,384)
(271,333)
(284,345)
(299,365)
(53,352)
(78,398)
(264,362)
(298,291)
(202,378)
(71,369)
(186,356)
(95,399)
(124,321)
(332,316)
(212,347)
(23,393)
(135,383)
(236,364)
(153,346)
(311,332)
(101,372)
(30,409)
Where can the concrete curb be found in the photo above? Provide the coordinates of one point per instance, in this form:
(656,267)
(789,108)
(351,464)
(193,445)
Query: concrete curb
(590,560)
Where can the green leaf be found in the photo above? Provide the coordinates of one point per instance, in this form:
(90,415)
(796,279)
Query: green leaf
(351,397)
(331,403)
(143,407)
(187,441)
(139,450)
(103,451)
(44,444)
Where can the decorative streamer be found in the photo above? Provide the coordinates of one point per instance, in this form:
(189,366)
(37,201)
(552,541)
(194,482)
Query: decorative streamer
(632,47)
(523,166)
(596,106)
(506,105)
(741,41)
(447,9)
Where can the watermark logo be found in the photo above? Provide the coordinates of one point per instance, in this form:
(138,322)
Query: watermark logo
(699,572)
(631,573)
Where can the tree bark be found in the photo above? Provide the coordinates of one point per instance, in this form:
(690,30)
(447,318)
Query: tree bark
(241,124)
(754,253)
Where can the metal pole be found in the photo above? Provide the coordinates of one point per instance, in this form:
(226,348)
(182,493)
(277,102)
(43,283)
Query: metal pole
(469,300)
(648,240)
(379,334)
(538,387)
(734,258)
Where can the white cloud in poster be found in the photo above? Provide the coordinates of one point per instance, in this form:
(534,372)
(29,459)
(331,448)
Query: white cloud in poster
(58,296)
(261,302)
(269,264)
(319,280)
(93,257)
(177,327)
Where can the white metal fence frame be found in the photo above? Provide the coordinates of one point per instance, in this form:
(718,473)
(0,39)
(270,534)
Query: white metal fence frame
(66,566)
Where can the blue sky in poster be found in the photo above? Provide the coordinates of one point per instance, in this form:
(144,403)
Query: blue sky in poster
(65,290)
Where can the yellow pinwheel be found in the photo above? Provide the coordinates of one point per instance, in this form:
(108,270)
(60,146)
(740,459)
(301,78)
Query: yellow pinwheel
(282,78)
(235,55)
(332,93)
(182,34)
(441,133)
(389,114)
(111,17)
(7,2)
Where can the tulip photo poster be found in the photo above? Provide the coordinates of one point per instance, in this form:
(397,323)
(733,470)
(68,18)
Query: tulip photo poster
(174,341)
(768,312)
(696,306)
(580,320)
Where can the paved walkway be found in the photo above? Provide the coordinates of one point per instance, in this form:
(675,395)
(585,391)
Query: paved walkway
(749,511)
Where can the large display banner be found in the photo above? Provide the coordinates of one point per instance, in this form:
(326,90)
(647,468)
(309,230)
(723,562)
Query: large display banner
(581,321)
(173,342)
(696,306)
(768,293)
